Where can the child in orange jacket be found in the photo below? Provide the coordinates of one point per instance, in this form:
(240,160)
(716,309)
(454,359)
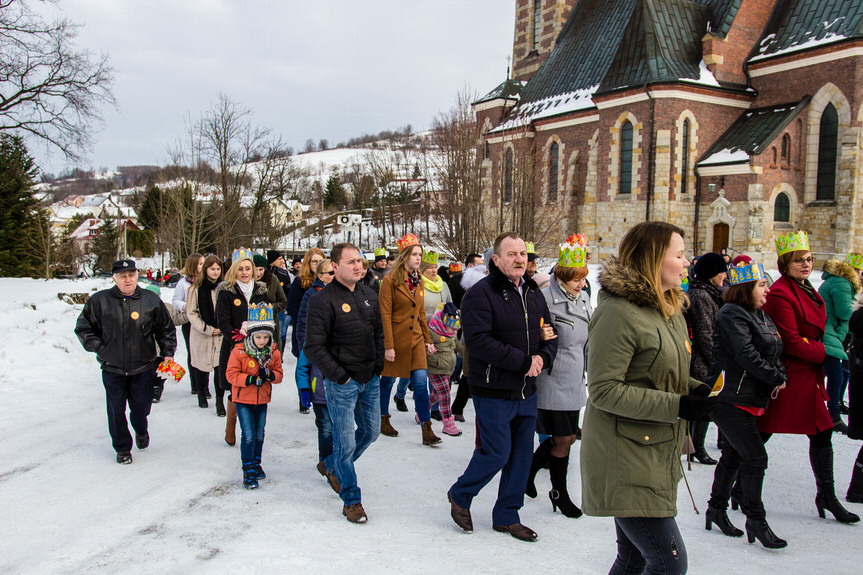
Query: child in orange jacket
(254,365)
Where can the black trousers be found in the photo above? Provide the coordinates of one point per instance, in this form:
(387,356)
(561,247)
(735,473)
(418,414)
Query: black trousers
(137,392)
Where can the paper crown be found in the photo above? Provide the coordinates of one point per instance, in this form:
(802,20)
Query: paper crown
(455,267)
(430,257)
(260,317)
(452,321)
(792,242)
(408,240)
(529,247)
(241,254)
(745,272)
(380,254)
(855,260)
(573,252)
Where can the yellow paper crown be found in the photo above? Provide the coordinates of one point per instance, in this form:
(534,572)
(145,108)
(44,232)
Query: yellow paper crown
(573,252)
(408,240)
(792,242)
(430,257)
(241,254)
(855,260)
(529,247)
(745,272)
(381,252)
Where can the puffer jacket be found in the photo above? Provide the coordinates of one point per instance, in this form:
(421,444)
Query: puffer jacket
(563,387)
(747,347)
(841,283)
(241,366)
(638,367)
(501,331)
(124,330)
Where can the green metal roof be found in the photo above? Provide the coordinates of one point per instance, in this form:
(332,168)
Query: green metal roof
(801,24)
(510,89)
(722,14)
(752,133)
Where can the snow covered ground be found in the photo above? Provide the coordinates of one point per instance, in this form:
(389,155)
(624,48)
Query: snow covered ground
(66,507)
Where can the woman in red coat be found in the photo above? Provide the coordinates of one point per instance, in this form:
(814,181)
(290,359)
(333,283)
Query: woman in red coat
(798,312)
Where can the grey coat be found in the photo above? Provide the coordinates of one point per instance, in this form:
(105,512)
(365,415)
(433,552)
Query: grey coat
(564,388)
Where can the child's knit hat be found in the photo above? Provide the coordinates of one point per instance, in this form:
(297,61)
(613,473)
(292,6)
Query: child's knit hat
(260,318)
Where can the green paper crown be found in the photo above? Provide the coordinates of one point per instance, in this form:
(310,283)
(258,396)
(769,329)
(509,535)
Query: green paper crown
(573,252)
(242,254)
(792,242)
(381,252)
(855,260)
(743,273)
(529,248)
(430,257)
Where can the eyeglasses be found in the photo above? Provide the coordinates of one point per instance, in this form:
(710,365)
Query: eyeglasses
(329,273)
(808,260)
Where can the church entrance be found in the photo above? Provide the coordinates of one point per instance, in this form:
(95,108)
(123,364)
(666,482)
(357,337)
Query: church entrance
(720,237)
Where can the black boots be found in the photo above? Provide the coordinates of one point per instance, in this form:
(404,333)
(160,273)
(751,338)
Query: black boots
(855,490)
(698,431)
(540,461)
(720,518)
(821,459)
(557,467)
(759,529)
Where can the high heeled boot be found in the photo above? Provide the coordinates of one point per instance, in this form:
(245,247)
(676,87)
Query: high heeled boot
(855,490)
(540,461)
(231,424)
(557,468)
(759,529)
(821,459)
(720,518)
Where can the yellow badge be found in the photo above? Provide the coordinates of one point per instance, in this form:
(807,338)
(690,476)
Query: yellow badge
(346,308)
(135,315)
(420,292)
(442,339)
(251,364)
(237,302)
(688,347)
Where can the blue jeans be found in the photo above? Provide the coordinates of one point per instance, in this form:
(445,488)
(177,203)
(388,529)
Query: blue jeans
(419,378)
(649,546)
(325,434)
(506,428)
(835,376)
(253,420)
(284,322)
(350,404)
(401,388)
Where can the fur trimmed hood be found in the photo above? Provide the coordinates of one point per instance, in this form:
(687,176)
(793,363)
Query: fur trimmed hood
(842,270)
(623,281)
(260,288)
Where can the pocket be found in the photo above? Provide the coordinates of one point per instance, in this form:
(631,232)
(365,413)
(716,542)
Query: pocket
(644,432)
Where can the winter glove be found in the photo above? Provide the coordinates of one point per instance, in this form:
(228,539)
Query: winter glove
(251,380)
(693,408)
(265,374)
(305,399)
(701,391)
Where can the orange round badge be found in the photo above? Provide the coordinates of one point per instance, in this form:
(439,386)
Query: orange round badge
(237,302)
(442,339)
(135,315)
(251,364)
(346,308)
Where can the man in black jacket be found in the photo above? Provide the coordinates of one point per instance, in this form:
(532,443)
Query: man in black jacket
(345,340)
(502,319)
(122,325)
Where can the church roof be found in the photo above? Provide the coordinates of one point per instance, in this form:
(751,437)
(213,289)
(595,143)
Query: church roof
(801,24)
(722,14)
(750,135)
(509,89)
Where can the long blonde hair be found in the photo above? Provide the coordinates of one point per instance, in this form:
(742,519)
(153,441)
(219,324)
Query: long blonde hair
(231,274)
(643,250)
(399,272)
(307,274)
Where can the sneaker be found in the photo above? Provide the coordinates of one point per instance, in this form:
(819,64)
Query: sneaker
(124,457)
(355,513)
(142,440)
(250,476)
(400,404)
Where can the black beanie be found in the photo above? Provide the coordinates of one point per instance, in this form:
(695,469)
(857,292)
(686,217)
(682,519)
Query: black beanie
(709,265)
(272,255)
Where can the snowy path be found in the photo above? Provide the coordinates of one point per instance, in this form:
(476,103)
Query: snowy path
(180,507)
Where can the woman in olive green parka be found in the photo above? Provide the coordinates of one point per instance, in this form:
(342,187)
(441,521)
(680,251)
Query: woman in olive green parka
(639,392)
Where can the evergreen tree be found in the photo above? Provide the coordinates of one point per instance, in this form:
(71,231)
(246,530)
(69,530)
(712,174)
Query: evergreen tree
(20,214)
(334,193)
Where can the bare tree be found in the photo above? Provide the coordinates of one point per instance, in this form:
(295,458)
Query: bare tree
(49,89)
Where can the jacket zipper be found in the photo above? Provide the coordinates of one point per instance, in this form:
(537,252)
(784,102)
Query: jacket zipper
(527,333)
(740,384)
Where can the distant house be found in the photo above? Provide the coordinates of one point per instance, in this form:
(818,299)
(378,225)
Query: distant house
(88,231)
(736,120)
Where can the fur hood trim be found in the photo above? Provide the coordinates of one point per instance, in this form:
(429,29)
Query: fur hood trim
(623,281)
(842,270)
(260,288)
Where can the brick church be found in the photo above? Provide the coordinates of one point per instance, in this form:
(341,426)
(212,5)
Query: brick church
(737,120)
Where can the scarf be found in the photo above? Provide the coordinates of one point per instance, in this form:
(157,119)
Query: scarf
(413,280)
(205,302)
(437,325)
(568,295)
(808,290)
(262,356)
(434,285)
(246,289)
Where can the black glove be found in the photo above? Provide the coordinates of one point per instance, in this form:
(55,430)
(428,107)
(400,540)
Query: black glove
(701,390)
(252,380)
(265,374)
(693,408)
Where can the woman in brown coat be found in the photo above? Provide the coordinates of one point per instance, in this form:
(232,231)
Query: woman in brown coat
(406,335)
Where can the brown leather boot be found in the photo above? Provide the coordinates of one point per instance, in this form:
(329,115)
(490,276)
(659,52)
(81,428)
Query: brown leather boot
(387,427)
(429,438)
(231,424)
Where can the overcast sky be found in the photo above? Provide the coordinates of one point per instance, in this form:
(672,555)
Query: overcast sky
(316,69)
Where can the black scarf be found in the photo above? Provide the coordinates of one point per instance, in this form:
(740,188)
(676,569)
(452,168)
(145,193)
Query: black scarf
(205,302)
(808,289)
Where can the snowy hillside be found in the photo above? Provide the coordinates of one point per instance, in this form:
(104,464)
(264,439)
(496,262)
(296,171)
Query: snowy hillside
(180,507)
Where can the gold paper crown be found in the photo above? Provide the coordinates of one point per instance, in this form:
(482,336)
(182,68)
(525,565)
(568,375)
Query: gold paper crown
(408,240)
(792,242)
(573,252)
(430,257)
(262,312)
(529,247)
(745,272)
(455,267)
(855,260)
(381,252)
(242,254)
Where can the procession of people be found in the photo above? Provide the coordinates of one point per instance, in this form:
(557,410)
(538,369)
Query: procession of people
(634,380)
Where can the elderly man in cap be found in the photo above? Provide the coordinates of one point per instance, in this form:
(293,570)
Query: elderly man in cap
(122,326)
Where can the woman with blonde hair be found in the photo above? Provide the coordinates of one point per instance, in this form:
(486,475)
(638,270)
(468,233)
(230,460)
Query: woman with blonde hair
(639,394)
(406,336)
(205,340)
(194,264)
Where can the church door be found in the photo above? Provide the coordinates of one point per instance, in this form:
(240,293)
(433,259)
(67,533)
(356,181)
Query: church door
(720,237)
